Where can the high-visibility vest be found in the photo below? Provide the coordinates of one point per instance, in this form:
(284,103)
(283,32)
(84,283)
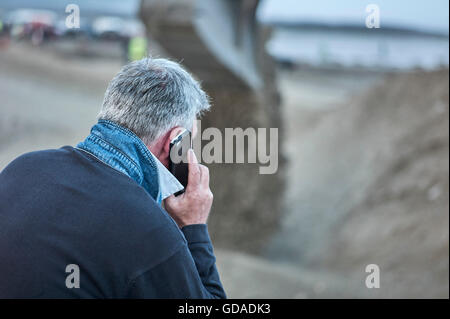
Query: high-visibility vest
(137,48)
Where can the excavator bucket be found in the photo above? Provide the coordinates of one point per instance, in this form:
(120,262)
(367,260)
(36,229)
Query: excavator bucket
(223,45)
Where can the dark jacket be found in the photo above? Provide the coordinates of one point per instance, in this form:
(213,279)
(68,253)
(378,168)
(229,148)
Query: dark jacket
(66,207)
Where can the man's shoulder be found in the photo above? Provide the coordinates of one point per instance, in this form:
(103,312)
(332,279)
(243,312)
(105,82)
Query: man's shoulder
(32,166)
(103,214)
(40,155)
(41,161)
(92,190)
(65,163)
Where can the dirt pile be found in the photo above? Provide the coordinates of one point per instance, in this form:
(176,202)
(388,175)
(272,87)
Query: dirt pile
(402,223)
(370,184)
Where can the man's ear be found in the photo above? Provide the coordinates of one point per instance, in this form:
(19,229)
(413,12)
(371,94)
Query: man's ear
(161,147)
(172,134)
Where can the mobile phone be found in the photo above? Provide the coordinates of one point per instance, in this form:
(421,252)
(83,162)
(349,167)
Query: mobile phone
(178,161)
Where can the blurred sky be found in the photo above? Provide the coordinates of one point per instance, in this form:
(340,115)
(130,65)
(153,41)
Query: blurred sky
(425,15)
(430,15)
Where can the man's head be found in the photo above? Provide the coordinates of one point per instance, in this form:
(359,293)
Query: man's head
(154,98)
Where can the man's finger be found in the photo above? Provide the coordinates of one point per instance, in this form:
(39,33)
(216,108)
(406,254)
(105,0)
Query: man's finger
(205,176)
(194,175)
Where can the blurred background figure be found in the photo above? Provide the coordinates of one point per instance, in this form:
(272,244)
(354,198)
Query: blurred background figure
(34,25)
(137,48)
(362,113)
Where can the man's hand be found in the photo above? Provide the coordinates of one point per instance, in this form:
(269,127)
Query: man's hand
(193,206)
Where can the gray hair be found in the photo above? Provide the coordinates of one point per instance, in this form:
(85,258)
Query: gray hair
(151,96)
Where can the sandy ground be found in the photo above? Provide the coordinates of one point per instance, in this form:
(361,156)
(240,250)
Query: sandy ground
(356,193)
(46,100)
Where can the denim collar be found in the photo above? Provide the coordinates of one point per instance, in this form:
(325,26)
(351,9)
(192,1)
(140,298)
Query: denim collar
(124,151)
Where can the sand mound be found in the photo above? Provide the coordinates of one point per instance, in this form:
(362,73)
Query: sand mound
(402,223)
(370,185)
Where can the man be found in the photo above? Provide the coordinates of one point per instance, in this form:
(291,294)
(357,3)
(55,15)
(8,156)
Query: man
(87,221)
